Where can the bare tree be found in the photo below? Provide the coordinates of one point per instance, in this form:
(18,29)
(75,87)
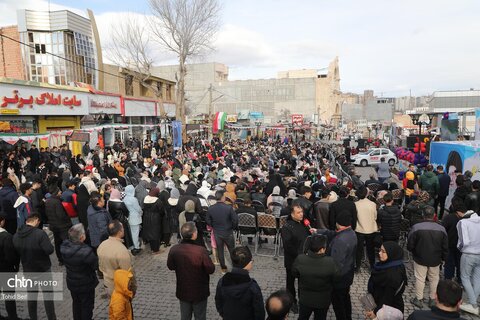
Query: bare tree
(187,29)
(285,114)
(132,50)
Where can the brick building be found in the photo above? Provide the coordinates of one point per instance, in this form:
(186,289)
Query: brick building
(10,54)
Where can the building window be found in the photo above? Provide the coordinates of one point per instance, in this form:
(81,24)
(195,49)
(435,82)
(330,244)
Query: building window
(169,93)
(129,85)
(160,89)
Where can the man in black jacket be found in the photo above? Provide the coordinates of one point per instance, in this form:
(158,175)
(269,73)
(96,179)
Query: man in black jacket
(342,249)
(321,210)
(305,203)
(452,264)
(223,219)
(428,243)
(294,234)
(448,300)
(238,296)
(472,200)
(34,248)
(8,263)
(343,204)
(389,218)
(58,220)
(81,263)
(444,183)
(8,197)
(316,273)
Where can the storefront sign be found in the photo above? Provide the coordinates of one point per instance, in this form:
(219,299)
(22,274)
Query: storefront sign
(104,104)
(232,118)
(297,119)
(140,108)
(30,100)
(9,111)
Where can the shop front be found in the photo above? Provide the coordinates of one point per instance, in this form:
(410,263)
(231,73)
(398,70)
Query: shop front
(143,116)
(29,110)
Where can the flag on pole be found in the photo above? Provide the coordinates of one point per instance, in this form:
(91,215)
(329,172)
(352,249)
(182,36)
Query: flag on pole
(219,122)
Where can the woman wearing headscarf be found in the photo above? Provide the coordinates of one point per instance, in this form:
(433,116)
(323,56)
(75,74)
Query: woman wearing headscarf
(189,215)
(174,212)
(275,180)
(166,221)
(153,212)
(190,194)
(135,218)
(119,211)
(141,191)
(388,279)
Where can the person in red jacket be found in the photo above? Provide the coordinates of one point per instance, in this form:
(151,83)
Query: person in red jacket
(69,201)
(192,267)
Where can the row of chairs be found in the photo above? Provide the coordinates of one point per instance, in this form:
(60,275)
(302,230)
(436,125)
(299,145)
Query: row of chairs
(263,226)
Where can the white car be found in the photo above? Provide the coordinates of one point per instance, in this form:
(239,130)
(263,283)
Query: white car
(373,156)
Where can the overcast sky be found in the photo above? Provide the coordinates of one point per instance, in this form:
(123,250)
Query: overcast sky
(391,47)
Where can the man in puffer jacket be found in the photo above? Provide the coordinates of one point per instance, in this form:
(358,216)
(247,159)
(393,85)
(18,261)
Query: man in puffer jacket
(429,182)
(238,296)
(81,263)
(23,204)
(389,218)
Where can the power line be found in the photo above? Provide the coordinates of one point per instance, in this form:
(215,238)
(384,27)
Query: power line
(60,57)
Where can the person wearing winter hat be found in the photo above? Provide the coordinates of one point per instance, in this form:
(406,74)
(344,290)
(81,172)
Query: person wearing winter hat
(388,278)
(342,249)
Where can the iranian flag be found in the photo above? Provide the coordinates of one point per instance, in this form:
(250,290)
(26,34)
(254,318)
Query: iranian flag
(219,122)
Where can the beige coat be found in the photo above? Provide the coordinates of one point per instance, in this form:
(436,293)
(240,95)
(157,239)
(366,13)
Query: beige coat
(113,255)
(366,216)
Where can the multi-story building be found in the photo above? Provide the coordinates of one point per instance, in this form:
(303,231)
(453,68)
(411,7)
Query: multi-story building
(313,93)
(56,47)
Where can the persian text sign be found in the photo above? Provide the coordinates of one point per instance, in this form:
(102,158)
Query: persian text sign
(29,100)
(297,119)
(99,103)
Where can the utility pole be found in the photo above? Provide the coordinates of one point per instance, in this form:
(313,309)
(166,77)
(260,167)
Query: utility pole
(210,110)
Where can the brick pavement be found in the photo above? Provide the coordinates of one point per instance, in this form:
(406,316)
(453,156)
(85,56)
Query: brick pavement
(155,298)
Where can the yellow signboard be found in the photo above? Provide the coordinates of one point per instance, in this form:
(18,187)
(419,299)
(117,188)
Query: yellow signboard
(232,118)
(9,111)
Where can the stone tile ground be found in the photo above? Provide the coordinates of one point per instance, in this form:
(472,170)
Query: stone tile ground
(156,299)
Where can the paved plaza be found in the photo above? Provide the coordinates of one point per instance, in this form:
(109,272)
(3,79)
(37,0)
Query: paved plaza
(156,299)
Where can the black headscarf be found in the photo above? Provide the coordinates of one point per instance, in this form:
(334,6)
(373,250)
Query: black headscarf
(394,251)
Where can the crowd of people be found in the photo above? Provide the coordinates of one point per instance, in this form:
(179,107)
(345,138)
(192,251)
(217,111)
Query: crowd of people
(107,205)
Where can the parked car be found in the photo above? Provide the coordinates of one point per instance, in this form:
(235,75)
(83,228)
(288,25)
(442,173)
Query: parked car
(373,156)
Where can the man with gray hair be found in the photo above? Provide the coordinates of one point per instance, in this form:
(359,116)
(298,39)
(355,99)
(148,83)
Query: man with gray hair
(192,267)
(81,263)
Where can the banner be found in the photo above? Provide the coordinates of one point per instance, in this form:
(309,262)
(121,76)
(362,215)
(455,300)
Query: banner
(177,135)
(477,124)
(449,129)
